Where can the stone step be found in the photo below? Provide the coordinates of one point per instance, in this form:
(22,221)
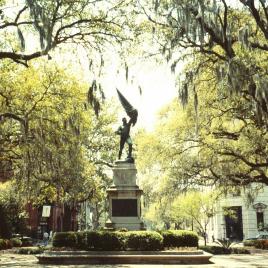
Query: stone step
(126,257)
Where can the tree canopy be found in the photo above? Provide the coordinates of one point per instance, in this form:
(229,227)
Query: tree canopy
(50,139)
(33,28)
(230,35)
(220,137)
(51,143)
(221,144)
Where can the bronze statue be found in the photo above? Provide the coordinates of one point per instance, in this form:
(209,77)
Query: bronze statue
(124,130)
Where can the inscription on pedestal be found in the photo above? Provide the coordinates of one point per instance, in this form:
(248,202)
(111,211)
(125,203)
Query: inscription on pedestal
(124,208)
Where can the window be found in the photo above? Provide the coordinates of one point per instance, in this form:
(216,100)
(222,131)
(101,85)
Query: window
(260,221)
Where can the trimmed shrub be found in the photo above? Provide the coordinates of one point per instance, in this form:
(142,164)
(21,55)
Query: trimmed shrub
(144,240)
(133,240)
(5,244)
(261,244)
(65,239)
(16,242)
(81,240)
(249,243)
(30,250)
(2,244)
(240,251)
(105,240)
(216,250)
(8,244)
(5,225)
(26,241)
(180,238)
(91,239)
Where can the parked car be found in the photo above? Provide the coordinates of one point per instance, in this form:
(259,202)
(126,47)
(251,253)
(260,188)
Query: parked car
(259,237)
(26,240)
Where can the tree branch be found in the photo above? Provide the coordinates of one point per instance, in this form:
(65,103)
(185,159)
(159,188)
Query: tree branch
(12,116)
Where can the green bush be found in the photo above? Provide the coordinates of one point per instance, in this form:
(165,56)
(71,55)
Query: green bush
(179,238)
(105,240)
(5,244)
(30,250)
(16,242)
(144,240)
(91,239)
(5,224)
(100,240)
(81,240)
(240,251)
(249,243)
(65,239)
(216,250)
(133,240)
(2,244)
(26,242)
(261,244)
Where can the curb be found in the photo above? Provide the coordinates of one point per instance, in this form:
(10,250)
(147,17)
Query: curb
(124,258)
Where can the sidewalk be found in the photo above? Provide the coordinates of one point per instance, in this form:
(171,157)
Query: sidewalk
(259,260)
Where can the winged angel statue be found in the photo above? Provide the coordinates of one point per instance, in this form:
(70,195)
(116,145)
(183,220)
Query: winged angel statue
(124,130)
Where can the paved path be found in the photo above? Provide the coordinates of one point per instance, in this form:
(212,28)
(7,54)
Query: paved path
(9,260)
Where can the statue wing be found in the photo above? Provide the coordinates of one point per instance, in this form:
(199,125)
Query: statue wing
(130,110)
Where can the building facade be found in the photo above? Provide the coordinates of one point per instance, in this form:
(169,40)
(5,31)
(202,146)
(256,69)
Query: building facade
(60,218)
(237,218)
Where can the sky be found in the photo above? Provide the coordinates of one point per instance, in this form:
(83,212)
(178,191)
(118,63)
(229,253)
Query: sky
(157,85)
(155,79)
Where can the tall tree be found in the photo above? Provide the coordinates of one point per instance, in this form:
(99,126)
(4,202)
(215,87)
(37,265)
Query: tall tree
(50,136)
(221,144)
(12,211)
(196,207)
(33,28)
(231,36)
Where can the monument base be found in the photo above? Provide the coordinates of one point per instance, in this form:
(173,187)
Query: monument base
(124,198)
(128,223)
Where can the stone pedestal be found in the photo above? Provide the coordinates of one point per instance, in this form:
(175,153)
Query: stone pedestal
(124,198)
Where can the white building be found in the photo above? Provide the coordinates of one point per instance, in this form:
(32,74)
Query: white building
(237,218)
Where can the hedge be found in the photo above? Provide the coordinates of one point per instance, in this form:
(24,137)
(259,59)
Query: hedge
(26,241)
(30,250)
(180,238)
(217,250)
(144,240)
(130,240)
(80,239)
(261,244)
(91,240)
(5,244)
(249,243)
(240,251)
(65,239)
(107,240)
(16,242)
